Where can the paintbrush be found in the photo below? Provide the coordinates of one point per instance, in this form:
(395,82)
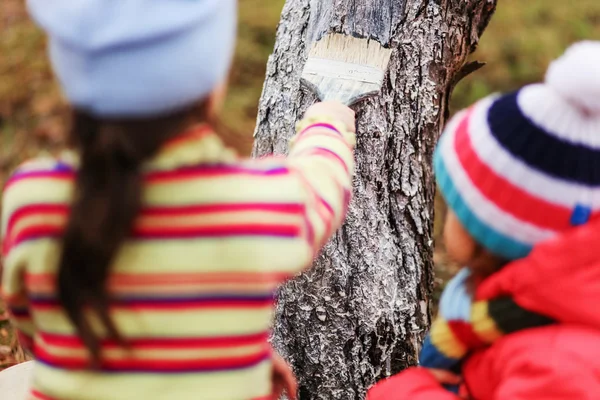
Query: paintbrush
(346,69)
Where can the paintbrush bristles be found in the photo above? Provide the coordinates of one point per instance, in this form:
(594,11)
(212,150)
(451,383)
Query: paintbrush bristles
(345,48)
(346,69)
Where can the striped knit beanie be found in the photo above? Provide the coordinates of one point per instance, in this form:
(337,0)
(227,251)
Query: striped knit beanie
(521,168)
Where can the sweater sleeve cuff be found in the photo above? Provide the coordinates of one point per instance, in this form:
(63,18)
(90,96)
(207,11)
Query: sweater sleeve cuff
(324,122)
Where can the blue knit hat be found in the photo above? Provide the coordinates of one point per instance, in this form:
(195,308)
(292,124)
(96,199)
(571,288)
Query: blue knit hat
(137,57)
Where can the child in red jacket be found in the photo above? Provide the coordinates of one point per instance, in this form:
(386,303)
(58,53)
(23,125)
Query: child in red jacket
(521,176)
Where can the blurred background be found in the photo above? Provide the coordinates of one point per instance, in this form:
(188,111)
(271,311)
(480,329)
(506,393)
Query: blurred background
(522,38)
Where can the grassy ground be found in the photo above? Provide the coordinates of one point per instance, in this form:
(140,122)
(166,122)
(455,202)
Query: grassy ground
(523,37)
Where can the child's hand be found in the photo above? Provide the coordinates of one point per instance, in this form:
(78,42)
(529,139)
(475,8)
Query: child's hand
(335,110)
(282,378)
(445,377)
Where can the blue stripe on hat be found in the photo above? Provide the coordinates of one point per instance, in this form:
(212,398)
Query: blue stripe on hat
(493,240)
(538,148)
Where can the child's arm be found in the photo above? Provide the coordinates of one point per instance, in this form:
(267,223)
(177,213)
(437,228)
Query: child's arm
(282,378)
(322,156)
(413,384)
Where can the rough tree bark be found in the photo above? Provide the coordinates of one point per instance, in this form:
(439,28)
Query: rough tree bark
(361,313)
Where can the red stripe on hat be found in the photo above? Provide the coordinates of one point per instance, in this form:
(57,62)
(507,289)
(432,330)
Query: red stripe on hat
(502,193)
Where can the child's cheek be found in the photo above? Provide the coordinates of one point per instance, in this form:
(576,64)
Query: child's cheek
(459,244)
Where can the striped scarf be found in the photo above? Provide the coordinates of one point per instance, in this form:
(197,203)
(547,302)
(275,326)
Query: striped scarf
(465,325)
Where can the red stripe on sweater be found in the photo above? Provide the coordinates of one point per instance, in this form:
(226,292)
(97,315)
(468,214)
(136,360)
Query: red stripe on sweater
(63,210)
(277,230)
(312,132)
(192,305)
(199,171)
(41,396)
(166,306)
(33,209)
(218,231)
(505,195)
(74,342)
(319,133)
(289,208)
(168,279)
(156,365)
(325,153)
(211,172)
(31,232)
(53,175)
(321,125)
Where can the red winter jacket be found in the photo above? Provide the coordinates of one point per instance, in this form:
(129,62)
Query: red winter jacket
(560,279)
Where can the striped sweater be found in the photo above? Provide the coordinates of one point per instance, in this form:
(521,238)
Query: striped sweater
(192,289)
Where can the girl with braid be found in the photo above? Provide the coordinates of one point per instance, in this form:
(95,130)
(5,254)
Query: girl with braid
(143,262)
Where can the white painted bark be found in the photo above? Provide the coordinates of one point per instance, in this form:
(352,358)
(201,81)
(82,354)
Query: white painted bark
(360,314)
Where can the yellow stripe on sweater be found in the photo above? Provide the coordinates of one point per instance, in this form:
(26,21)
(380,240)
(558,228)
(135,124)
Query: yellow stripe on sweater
(236,254)
(186,323)
(72,385)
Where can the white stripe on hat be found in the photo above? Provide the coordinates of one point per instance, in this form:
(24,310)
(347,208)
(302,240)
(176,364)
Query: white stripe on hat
(486,211)
(543,186)
(557,117)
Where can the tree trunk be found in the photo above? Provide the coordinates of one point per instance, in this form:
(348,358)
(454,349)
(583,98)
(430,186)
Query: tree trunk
(360,314)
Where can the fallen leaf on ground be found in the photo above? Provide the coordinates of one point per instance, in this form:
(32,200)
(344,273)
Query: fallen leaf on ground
(5,350)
